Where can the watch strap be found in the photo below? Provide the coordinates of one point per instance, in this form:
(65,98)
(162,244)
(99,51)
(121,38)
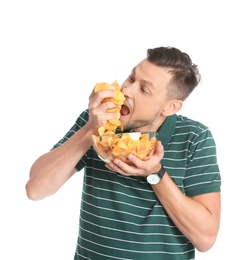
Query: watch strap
(161,172)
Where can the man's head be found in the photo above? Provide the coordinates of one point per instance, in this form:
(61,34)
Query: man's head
(157,87)
(185,74)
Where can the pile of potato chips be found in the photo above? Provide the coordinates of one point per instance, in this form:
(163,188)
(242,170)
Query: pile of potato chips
(119,146)
(112,124)
(109,145)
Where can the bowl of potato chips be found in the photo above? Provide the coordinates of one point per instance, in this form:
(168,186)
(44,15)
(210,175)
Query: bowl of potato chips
(120,145)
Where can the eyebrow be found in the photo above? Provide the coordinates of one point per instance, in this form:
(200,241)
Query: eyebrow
(143,81)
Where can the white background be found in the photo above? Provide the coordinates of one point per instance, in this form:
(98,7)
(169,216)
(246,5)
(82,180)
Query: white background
(52,53)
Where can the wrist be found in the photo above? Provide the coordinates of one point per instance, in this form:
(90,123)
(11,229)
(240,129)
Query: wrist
(156,177)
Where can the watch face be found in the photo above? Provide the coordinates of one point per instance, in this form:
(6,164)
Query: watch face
(153,179)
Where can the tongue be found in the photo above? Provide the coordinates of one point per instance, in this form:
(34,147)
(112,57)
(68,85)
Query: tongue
(124,110)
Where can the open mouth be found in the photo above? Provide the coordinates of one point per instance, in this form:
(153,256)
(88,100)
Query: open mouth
(124,110)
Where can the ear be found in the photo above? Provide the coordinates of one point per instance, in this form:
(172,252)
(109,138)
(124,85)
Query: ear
(172,107)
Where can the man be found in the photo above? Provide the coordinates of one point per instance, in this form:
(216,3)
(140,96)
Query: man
(126,214)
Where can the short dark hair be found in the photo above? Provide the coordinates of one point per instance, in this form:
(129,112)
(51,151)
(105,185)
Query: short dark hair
(186,75)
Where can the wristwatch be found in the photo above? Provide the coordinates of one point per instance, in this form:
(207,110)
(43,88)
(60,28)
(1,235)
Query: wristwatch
(155,178)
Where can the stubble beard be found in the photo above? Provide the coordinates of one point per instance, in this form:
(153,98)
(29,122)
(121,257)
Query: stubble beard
(132,125)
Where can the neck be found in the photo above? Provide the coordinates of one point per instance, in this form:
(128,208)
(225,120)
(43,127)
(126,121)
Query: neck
(152,127)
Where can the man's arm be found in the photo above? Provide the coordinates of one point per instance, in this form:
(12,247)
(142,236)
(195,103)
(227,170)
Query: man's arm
(51,170)
(198,217)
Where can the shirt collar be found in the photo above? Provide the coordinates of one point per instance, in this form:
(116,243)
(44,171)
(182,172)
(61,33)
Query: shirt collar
(167,129)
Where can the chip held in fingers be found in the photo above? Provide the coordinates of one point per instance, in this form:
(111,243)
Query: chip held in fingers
(112,124)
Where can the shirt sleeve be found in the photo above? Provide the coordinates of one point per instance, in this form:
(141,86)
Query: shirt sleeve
(79,123)
(202,170)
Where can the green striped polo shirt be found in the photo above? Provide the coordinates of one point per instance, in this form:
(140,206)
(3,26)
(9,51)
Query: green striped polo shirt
(121,218)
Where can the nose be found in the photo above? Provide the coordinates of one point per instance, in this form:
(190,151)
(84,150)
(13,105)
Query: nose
(127,90)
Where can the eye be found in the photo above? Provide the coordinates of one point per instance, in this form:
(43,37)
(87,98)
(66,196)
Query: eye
(144,90)
(131,78)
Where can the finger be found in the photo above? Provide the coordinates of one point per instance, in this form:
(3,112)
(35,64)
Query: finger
(96,100)
(101,95)
(135,160)
(159,149)
(114,167)
(124,168)
(109,106)
(107,109)
(108,166)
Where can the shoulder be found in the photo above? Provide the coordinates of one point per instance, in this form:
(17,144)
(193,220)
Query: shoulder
(183,121)
(191,126)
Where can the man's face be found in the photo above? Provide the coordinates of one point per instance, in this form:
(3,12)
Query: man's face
(146,97)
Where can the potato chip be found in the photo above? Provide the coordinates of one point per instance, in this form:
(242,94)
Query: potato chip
(101,130)
(113,124)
